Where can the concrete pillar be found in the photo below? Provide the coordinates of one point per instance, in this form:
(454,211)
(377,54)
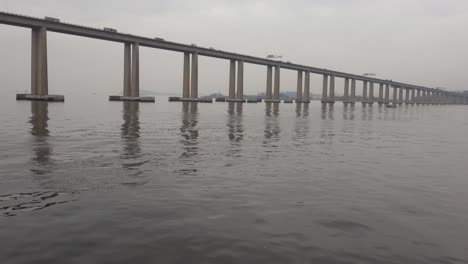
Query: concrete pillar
(364,92)
(240,80)
(346,90)
(395,94)
(269,82)
(331,95)
(276,89)
(387,93)
(299,87)
(306,95)
(232,79)
(194,77)
(127,70)
(135,90)
(413,99)
(325,89)
(39,72)
(186,77)
(371,92)
(407,95)
(381,93)
(353,91)
(400,97)
(418,96)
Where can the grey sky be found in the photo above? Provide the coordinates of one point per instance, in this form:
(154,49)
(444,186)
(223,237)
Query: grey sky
(417,41)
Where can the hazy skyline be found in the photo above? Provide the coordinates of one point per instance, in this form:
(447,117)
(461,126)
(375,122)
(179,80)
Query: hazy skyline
(419,42)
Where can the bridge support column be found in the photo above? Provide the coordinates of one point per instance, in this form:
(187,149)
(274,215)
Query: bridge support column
(131,85)
(306,94)
(269,83)
(387,94)
(371,93)
(299,87)
(407,95)
(353,91)
(232,80)
(400,95)
(331,95)
(186,77)
(346,91)
(194,77)
(364,92)
(135,91)
(276,87)
(412,98)
(325,89)
(39,72)
(395,95)
(240,81)
(381,93)
(236,95)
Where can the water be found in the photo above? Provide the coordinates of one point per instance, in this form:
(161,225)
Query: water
(91,181)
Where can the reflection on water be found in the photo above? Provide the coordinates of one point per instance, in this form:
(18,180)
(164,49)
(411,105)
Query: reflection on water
(348,112)
(130,134)
(327,128)
(131,130)
(301,126)
(235,127)
(367,112)
(40,133)
(327,111)
(189,131)
(272,128)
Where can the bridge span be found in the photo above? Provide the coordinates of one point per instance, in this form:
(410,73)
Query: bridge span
(402,92)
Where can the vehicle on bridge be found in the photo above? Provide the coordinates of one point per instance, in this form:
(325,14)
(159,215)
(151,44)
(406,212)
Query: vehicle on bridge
(53,19)
(110,30)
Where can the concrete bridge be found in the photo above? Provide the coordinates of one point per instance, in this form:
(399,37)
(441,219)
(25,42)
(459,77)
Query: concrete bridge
(402,92)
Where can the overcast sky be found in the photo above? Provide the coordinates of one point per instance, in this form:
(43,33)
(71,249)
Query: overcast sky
(416,41)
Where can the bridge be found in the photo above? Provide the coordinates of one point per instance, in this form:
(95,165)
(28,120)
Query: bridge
(402,92)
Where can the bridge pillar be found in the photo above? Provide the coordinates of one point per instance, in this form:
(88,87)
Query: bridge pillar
(299,87)
(39,71)
(381,93)
(346,91)
(364,92)
(240,80)
(135,70)
(352,99)
(194,77)
(412,97)
(186,76)
(331,95)
(232,79)
(325,89)
(306,95)
(387,93)
(395,95)
(276,88)
(236,94)
(407,96)
(127,92)
(400,95)
(371,93)
(131,78)
(269,83)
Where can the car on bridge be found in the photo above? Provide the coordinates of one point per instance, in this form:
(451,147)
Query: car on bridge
(110,30)
(53,19)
